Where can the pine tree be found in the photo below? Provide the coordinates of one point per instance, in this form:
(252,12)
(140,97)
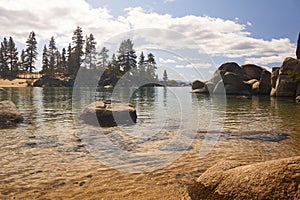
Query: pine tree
(12,57)
(151,67)
(45,61)
(103,57)
(52,56)
(165,76)
(63,61)
(141,65)
(77,52)
(127,56)
(31,52)
(69,61)
(3,58)
(90,52)
(22,60)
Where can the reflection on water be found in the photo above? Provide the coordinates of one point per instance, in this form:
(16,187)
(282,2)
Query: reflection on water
(52,145)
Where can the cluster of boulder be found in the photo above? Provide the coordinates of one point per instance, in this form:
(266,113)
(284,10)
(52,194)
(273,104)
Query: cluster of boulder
(230,78)
(249,79)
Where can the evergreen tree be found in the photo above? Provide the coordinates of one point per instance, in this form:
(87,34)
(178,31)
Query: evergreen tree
(31,52)
(63,60)
(3,58)
(12,57)
(165,76)
(22,60)
(127,56)
(90,52)
(58,66)
(151,66)
(141,65)
(52,57)
(45,61)
(77,51)
(69,61)
(103,57)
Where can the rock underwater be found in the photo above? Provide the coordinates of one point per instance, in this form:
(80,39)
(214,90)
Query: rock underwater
(9,115)
(109,113)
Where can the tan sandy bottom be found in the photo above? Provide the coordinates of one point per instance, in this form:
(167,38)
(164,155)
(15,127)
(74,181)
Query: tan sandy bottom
(80,176)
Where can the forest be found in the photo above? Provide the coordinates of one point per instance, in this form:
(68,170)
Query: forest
(80,53)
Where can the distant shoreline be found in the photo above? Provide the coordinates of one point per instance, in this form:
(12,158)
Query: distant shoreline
(18,82)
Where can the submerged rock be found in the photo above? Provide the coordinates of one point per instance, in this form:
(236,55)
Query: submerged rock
(276,179)
(107,113)
(9,115)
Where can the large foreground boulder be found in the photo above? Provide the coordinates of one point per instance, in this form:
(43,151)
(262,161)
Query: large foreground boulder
(277,179)
(107,113)
(9,115)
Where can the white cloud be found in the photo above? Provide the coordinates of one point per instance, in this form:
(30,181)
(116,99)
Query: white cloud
(217,36)
(169,1)
(166,61)
(195,66)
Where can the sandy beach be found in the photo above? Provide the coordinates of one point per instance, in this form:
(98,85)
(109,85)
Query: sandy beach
(15,82)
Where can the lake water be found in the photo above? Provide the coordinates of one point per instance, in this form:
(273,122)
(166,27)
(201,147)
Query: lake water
(178,135)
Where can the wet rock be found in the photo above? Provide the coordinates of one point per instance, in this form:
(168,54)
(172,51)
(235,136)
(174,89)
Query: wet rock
(276,179)
(9,115)
(285,87)
(274,76)
(265,83)
(252,71)
(197,84)
(233,84)
(233,68)
(107,113)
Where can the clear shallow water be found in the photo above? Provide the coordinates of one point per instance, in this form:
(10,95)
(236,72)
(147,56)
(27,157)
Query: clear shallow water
(52,146)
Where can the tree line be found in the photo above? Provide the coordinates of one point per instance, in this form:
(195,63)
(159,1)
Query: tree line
(81,52)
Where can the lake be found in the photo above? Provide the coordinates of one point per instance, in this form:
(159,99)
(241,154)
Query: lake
(178,135)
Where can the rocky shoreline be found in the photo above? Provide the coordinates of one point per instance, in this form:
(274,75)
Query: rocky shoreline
(249,79)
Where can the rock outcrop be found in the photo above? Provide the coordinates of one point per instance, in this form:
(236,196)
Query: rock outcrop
(277,179)
(285,80)
(47,81)
(9,115)
(230,78)
(197,84)
(107,113)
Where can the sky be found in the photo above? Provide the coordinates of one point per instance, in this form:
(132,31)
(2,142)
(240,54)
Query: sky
(189,38)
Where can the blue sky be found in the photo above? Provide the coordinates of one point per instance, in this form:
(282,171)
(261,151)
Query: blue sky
(190,38)
(269,18)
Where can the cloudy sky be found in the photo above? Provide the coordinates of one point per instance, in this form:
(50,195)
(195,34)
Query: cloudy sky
(185,35)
